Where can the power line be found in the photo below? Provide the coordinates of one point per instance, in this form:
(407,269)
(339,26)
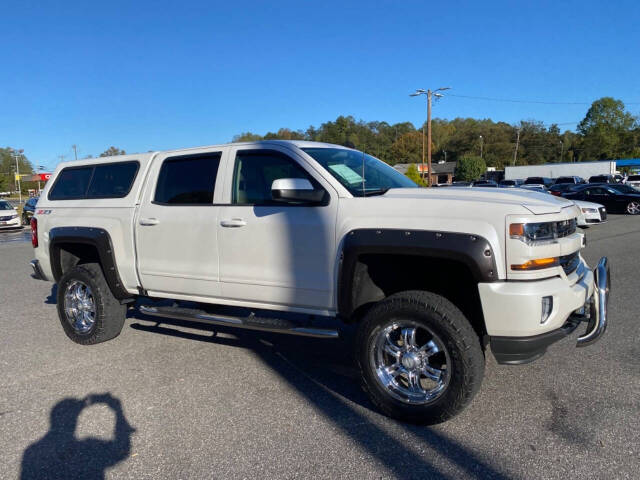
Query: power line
(541,102)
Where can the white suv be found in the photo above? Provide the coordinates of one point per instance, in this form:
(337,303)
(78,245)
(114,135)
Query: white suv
(302,234)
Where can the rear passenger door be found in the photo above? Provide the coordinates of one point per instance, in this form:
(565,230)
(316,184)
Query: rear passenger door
(176,226)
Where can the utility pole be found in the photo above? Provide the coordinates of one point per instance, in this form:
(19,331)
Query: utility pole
(445,156)
(515,152)
(75,151)
(481,142)
(16,154)
(429,94)
(561,150)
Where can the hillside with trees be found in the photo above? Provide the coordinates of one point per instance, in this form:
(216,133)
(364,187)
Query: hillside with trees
(608,131)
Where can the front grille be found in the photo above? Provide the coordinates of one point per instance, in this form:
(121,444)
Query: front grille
(4,219)
(565,228)
(569,263)
(603,213)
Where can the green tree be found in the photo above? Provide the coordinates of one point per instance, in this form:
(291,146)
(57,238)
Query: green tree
(470,167)
(8,167)
(112,152)
(407,149)
(246,137)
(412,173)
(607,130)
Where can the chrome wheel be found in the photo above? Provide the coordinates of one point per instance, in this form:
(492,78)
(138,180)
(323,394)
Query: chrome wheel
(79,306)
(410,362)
(633,208)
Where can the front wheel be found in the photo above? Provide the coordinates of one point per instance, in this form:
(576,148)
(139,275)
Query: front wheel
(88,311)
(420,359)
(633,208)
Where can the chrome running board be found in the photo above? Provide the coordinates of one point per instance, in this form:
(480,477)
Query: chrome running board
(250,322)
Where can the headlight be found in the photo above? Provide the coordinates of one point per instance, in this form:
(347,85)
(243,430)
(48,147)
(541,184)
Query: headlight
(543,232)
(589,210)
(13,216)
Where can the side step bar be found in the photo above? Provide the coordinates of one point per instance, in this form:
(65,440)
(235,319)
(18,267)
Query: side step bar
(250,322)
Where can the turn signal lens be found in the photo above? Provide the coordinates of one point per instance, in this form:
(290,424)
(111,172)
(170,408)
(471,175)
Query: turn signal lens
(516,230)
(537,264)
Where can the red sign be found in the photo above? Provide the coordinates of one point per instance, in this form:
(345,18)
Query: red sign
(39,177)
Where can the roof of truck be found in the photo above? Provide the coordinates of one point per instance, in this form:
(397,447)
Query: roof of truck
(148,155)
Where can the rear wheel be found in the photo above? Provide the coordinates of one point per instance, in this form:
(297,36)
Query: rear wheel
(633,208)
(420,359)
(88,311)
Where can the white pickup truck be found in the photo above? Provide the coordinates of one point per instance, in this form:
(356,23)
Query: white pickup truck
(293,237)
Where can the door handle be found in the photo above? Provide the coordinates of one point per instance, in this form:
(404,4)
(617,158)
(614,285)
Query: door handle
(233,223)
(149,221)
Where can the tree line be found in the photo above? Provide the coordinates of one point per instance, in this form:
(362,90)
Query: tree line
(608,131)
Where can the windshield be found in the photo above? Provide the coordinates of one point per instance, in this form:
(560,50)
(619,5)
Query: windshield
(5,206)
(358,172)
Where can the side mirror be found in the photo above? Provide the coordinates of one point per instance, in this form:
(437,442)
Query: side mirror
(295,190)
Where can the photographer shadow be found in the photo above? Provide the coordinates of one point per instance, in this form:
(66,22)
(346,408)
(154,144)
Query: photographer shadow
(59,454)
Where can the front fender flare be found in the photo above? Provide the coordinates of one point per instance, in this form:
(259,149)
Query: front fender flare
(473,251)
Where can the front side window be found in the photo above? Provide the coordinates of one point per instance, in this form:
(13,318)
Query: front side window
(255,171)
(188,180)
(358,172)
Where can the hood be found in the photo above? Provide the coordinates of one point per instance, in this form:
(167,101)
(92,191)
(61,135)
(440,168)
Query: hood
(537,203)
(583,204)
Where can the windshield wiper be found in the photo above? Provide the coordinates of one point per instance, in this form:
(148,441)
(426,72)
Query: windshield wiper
(378,191)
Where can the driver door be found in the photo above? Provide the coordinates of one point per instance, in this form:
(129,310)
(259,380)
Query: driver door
(274,253)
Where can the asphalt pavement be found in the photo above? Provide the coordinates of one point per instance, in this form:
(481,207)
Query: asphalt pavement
(175,400)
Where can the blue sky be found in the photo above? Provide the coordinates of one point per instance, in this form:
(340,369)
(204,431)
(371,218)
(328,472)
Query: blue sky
(150,75)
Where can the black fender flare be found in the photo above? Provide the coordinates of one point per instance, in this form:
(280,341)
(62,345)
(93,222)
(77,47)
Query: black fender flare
(471,250)
(96,237)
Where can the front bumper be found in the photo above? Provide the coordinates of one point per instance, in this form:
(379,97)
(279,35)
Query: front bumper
(524,349)
(13,223)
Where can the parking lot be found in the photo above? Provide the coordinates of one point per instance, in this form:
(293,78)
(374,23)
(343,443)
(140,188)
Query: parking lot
(176,400)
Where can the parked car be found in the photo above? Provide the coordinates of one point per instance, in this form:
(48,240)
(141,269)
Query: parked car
(534,187)
(559,188)
(9,217)
(461,184)
(633,180)
(570,180)
(616,198)
(590,213)
(28,209)
(484,183)
(544,181)
(603,179)
(511,183)
(301,237)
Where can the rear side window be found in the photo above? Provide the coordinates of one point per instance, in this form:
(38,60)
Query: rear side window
(110,180)
(71,184)
(188,180)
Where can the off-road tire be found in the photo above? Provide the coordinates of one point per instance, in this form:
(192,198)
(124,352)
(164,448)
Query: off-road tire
(109,313)
(444,319)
